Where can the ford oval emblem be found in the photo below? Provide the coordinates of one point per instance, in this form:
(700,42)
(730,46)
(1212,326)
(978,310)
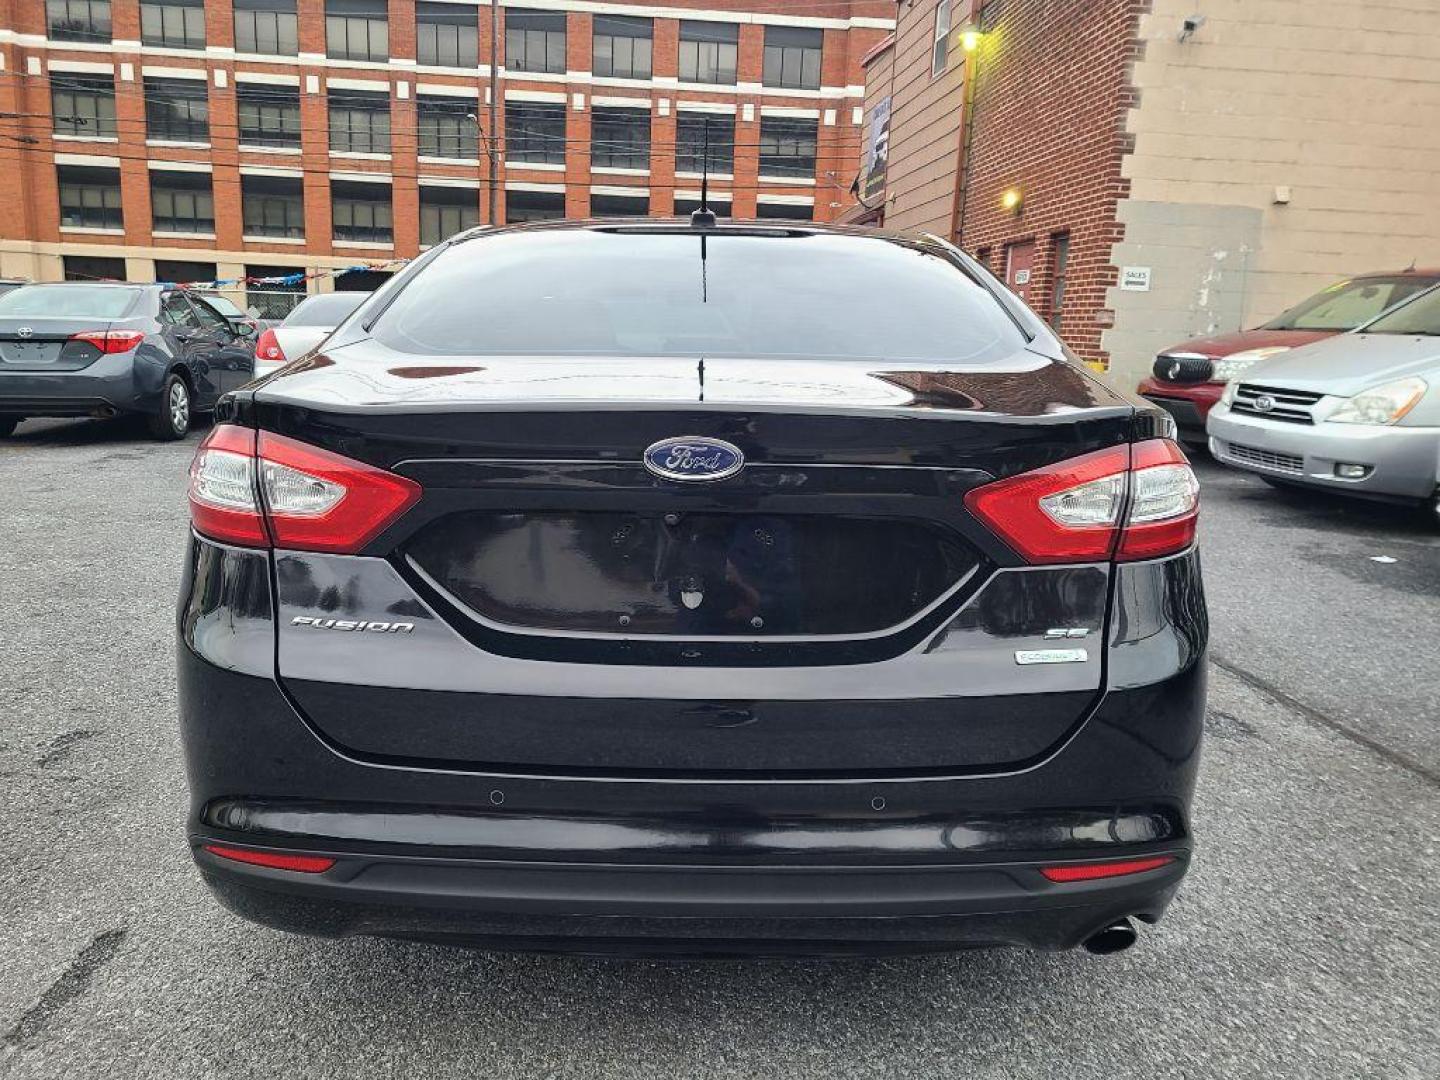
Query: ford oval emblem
(693,457)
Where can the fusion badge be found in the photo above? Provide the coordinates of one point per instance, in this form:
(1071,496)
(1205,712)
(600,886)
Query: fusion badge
(353,625)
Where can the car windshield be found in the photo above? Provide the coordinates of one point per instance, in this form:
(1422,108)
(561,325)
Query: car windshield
(222,305)
(1348,304)
(67,302)
(591,292)
(329,310)
(1421,317)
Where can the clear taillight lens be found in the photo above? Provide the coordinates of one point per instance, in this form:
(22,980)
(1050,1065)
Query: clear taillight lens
(1095,503)
(290,491)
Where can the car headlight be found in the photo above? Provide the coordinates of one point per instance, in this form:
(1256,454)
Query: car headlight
(1384,404)
(1236,364)
(1227,396)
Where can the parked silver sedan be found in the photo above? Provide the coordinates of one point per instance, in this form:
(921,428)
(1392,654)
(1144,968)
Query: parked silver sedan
(1358,413)
(304,328)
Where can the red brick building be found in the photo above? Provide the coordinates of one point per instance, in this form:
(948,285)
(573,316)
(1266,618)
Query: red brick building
(200,139)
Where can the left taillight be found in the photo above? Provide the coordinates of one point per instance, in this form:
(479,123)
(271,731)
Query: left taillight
(257,489)
(110,341)
(1126,502)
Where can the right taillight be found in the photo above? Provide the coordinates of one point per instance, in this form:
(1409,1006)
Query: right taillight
(255,492)
(267,347)
(1124,502)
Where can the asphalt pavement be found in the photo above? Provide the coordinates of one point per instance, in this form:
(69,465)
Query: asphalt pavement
(1302,944)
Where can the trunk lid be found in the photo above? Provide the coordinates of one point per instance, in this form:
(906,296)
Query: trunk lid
(46,344)
(829,610)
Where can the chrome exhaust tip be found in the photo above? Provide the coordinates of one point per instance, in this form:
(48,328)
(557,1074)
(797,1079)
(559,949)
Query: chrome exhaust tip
(1117,937)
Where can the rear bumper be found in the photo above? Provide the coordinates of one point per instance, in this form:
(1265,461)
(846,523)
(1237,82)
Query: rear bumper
(110,385)
(701,908)
(1189,405)
(1403,462)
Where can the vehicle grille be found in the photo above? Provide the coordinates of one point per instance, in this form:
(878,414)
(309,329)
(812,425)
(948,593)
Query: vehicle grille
(1275,403)
(1183,368)
(1266,459)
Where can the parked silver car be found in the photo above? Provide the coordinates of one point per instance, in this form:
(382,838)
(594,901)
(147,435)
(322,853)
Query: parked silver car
(307,326)
(1358,413)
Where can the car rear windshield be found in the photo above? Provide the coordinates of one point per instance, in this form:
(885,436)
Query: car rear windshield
(1420,316)
(1347,304)
(629,293)
(330,310)
(67,301)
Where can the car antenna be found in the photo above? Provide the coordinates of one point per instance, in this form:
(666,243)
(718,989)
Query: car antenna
(704,217)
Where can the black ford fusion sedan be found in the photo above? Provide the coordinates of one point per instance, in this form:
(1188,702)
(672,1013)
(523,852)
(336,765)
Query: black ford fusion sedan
(651,587)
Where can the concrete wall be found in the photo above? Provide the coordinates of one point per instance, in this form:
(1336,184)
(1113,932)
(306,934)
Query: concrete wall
(1336,100)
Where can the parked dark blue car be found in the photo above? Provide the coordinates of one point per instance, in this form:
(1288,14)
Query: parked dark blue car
(80,349)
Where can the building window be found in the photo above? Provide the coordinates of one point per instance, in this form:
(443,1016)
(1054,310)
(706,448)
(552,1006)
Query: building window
(690,135)
(78,20)
(446,35)
(523,206)
(267,27)
(83,105)
(785,211)
(174,24)
(534,40)
(445,211)
(269,115)
(89,197)
(940,50)
(184,272)
(357,30)
(622,47)
(177,110)
(787,146)
(445,129)
(708,52)
(792,57)
(93,268)
(361,212)
(637,205)
(1060,267)
(685,205)
(535,132)
(359,122)
(273,206)
(619,138)
(181,202)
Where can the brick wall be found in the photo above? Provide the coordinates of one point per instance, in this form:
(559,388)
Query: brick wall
(1052,88)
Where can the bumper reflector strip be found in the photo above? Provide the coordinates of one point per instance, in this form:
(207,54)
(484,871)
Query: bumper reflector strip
(301,864)
(1091,871)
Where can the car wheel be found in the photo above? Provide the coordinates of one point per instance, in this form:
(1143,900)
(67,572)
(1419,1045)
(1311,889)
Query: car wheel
(8,424)
(173,419)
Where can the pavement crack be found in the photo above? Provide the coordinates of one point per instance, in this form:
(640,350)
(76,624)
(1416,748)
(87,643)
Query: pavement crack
(62,744)
(1315,716)
(69,986)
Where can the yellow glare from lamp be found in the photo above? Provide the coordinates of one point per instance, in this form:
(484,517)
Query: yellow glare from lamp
(1012,199)
(969,40)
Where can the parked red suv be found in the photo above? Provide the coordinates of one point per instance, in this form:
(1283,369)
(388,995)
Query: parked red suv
(1188,378)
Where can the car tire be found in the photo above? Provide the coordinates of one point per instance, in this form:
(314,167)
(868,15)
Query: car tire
(175,414)
(8,424)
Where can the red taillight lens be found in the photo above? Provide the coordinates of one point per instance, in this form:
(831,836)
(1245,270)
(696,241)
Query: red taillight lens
(1072,511)
(1093,871)
(110,341)
(267,347)
(288,493)
(302,864)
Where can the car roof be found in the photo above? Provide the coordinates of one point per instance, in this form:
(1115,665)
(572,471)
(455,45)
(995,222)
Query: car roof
(1409,271)
(682,226)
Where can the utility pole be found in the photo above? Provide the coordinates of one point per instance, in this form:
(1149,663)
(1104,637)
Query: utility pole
(494,109)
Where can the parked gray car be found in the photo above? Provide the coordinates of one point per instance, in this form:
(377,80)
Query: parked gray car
(91,349)
(307,326)
(1358,413)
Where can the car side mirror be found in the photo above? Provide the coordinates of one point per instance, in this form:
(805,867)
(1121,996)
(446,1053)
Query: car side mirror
(244,329)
